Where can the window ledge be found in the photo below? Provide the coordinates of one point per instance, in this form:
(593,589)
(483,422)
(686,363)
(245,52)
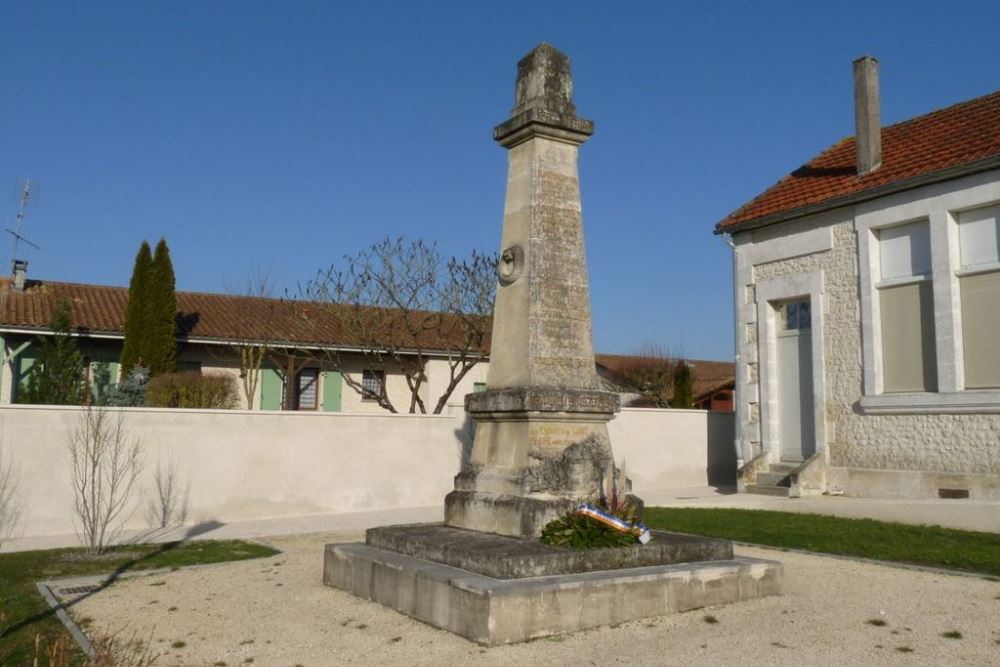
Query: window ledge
(978,401)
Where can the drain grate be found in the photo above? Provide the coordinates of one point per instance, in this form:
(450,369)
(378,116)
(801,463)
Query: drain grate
(78,590)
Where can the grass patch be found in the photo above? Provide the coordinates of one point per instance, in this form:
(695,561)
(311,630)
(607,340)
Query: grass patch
(27,614)
(865,538)
(952,634)
(178,644)
(877,622)
(904,649)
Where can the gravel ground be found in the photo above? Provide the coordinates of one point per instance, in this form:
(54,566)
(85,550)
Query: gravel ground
(276,611)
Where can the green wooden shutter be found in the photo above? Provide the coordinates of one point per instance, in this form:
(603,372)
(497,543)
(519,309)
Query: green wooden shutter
(103,377)
(270,389)
(22,369)
(332,386)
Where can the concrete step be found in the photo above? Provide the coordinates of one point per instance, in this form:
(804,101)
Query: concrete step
(773,479)
(762,490)
(783,467)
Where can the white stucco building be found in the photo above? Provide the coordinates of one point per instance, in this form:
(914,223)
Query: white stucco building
(867,288)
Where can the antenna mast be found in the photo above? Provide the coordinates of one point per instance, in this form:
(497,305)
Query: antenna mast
(19,267)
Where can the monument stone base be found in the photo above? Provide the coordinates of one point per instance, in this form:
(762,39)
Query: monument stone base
(495,589)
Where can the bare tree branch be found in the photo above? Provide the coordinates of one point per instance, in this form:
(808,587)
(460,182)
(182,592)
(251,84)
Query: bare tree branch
(650,372)
(403,304)
(257,332)
(106,462)
(10,508)
(169,505)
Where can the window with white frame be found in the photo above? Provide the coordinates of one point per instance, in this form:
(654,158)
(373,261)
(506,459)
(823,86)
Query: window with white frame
(906,304)
(979,286)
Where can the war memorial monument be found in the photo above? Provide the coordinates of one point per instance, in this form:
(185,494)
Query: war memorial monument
(541,444)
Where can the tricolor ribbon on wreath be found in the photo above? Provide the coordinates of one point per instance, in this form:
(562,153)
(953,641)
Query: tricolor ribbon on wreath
(635,528)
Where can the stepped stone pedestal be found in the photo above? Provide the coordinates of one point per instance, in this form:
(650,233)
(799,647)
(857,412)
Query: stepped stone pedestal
(541,444)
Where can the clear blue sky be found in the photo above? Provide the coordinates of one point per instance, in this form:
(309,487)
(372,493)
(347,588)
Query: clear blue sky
(289,134)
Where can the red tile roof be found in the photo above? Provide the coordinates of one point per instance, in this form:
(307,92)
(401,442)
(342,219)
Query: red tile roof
(937,143)
(100,309)
(707,377)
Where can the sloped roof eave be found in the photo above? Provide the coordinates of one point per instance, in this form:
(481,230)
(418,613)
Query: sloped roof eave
(947,174)
(203,340)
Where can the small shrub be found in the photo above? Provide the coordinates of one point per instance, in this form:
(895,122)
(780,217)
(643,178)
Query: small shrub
(581,532)
(904,649)
(711,620)
(877,622)
(131,391)
(952,634)
(191,390)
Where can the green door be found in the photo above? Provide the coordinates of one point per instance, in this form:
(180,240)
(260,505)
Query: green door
(270,389)
(332,386)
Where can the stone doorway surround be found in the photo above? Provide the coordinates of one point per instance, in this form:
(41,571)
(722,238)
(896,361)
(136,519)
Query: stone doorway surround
(771,294)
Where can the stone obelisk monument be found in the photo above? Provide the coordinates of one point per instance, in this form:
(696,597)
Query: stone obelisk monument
(541,441)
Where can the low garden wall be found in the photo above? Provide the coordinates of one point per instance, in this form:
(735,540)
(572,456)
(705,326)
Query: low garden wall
(241,465)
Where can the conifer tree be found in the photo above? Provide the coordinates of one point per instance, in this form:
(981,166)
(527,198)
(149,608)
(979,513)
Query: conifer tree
(683,386)
(161,354)
(134,348)
(57,375)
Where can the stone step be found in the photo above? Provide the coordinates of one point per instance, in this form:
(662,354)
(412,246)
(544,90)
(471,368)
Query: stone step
(783,467)
(767,490)
(773,479)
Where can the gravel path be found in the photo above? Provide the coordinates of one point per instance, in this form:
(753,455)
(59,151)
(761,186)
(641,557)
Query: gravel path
(276,611)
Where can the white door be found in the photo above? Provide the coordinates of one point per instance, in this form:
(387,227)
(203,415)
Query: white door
(795,382)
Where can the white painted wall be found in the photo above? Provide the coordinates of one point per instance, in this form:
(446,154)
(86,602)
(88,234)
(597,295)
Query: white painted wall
(242,465)
(664,449)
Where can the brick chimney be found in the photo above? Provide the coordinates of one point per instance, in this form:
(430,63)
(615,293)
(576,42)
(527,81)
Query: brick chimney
(868,126)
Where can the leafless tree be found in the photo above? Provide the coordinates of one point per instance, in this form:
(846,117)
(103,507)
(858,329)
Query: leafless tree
(402,303)
(106,462)
(169,504)
(650,372)
(10,509)
(257,323)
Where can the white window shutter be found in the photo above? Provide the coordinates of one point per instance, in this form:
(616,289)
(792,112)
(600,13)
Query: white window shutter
(979,236)
(905,251)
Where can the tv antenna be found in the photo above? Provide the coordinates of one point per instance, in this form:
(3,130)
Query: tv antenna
(19,226)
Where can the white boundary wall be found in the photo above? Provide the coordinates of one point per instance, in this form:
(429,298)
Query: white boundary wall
(242,465)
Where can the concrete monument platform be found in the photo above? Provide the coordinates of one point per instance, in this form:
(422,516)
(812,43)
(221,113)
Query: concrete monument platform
(500,610)
(503,557)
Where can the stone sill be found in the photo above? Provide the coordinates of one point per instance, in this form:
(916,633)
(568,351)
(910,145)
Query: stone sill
(973,402)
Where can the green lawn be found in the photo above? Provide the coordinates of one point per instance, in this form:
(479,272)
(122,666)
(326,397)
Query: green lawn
(921,545)
(26,613)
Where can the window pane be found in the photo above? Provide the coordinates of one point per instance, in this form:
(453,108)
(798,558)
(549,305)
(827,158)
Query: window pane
(905,251)
(307,388)
(371,385)
(908,357)
(981,329)
(979,235)
(796,315)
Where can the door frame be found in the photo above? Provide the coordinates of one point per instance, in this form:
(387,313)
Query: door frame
(782,336)
(771,294)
